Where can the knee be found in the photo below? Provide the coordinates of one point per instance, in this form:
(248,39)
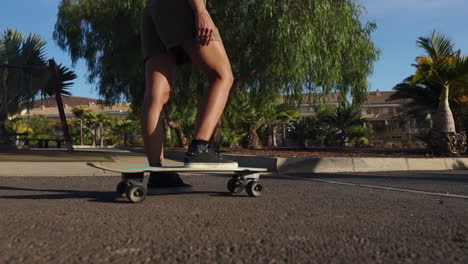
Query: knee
(224,76)
(156,101)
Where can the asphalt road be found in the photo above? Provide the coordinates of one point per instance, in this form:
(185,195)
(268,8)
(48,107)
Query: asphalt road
(313,218)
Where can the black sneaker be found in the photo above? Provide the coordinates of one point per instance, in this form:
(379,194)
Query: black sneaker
(200,156)
(167,183)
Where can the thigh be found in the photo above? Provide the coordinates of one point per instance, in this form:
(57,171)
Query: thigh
(212,59)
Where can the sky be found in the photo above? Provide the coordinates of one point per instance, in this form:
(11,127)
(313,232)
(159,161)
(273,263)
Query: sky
(399,24)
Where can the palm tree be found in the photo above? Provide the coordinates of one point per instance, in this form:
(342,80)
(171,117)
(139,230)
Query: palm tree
(97,123)
(23,72)
(420,100)
(283,115)
(449,69)
(59,82)
(346,116)
(80,112)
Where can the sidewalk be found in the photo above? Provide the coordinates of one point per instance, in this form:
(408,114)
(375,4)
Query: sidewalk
(61,169)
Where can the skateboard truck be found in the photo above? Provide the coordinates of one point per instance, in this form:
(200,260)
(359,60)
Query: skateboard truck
(131,186)
(247,181)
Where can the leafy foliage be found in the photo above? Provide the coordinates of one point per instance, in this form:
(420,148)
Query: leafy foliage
(23,71)
(448,69)
(317,45)
(332,125)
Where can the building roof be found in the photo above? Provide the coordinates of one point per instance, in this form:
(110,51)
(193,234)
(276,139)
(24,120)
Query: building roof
(375,98)
(379,97)
(48,108)
(67,100)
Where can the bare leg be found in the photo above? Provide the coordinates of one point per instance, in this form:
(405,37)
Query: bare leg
(159,71)
(214,62)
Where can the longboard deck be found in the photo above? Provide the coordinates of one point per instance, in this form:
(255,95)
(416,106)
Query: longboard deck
(174,169)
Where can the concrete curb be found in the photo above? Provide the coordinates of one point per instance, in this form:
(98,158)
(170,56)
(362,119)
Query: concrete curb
(323,165)
(333,165)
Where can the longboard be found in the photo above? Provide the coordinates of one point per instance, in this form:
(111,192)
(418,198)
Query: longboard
(174,169)
(131,184)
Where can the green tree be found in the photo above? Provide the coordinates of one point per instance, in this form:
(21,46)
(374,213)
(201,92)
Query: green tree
(127,128)
(80,112)
(319,45)
(59,82)
(343,119)
(420,100)
(24,75)
(97,123)
(42,127)
(446,67)
(282,116)
(23,72)
(19,126)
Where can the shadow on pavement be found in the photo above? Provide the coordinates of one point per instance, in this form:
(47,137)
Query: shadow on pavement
(93,196)
(53,194)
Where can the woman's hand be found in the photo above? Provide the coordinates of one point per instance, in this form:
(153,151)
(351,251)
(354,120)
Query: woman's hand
(205,28)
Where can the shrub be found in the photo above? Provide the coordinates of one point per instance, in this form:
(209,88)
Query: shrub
(361,142)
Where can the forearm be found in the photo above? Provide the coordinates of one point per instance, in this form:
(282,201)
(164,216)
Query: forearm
(198,6)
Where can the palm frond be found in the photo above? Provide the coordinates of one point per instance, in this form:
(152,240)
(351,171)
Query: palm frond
(436,45)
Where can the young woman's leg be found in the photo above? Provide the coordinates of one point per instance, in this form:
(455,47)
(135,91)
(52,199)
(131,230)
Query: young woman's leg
(159,71)
(214,62)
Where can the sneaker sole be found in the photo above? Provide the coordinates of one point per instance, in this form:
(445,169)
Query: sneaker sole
(207,165)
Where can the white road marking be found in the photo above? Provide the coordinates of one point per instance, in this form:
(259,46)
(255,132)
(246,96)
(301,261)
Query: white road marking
(385,188)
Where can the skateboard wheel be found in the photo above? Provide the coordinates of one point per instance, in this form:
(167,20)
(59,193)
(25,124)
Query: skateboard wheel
(122,187)
(254,188)
(136,193)
(234,186)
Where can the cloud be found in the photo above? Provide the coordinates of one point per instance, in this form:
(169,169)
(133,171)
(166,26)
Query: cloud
(378,7)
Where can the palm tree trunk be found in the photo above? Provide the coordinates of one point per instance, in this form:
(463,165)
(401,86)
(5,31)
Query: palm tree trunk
(179,132)
(81,132)
(3,138)
(273,136)
(94,137)
(251,140)
(444,139)
(3,114)
(177,127)
(445,122)
(58,99)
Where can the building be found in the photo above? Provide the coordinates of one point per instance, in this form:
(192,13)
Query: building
(48,108)
(382,116)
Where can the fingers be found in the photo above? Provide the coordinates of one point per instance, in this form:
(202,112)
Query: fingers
(205,31)
(210,37)
(204,36)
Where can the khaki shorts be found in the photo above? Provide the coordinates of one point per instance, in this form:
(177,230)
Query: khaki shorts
(165,26)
